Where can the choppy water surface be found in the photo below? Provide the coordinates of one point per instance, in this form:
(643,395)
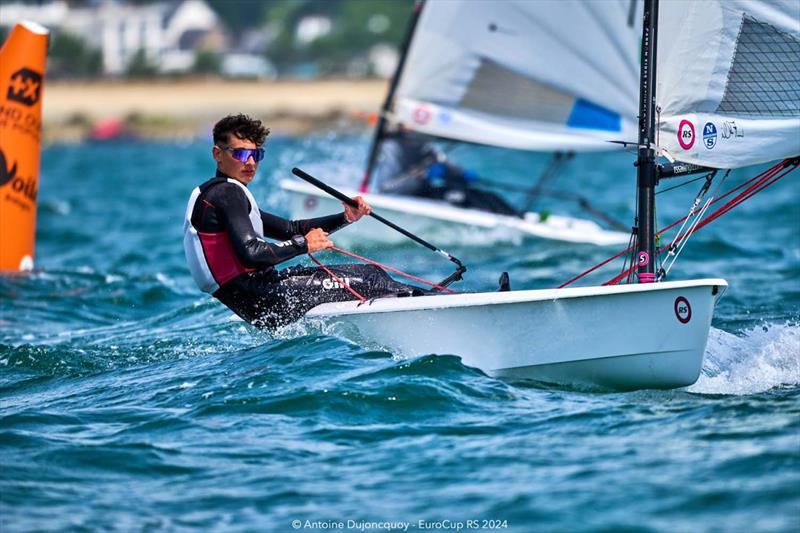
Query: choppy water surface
(130,401)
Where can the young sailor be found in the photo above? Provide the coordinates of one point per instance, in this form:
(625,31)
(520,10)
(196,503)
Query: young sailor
(228,256)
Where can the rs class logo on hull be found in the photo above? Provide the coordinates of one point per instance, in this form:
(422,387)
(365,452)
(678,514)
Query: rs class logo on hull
(683,311)
(310,203)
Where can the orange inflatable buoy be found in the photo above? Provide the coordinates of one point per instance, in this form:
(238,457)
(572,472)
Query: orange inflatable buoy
(22,61)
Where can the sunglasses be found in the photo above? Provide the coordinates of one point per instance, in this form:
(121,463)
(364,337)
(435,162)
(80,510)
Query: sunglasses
(243,154)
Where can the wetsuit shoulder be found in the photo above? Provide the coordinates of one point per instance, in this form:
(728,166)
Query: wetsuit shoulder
(226,193)
(217,197)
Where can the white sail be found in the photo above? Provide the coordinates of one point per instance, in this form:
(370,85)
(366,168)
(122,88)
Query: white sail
(535,75)
(728,87)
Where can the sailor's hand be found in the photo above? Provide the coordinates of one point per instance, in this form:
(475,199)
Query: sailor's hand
(317,240)
(354,213)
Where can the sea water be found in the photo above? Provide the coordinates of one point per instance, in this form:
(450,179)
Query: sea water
(130,401)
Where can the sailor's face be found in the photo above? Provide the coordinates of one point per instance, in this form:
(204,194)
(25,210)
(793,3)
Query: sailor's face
(229,165)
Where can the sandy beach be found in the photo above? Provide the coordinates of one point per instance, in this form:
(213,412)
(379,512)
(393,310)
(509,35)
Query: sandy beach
(178,108)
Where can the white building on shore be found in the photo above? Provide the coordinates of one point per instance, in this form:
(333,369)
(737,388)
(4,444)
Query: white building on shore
(169,33)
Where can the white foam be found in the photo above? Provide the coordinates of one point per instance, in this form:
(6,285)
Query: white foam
(760,359)
(26,264)
(164,280)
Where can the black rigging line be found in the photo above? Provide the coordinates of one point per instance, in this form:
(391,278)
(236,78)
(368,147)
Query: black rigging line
(682,184)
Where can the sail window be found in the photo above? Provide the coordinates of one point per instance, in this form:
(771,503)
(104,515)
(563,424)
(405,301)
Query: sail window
(499,91)
(764,79)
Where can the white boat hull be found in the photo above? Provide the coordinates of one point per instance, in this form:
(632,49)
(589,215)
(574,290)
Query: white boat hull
(622,337)
(426,217)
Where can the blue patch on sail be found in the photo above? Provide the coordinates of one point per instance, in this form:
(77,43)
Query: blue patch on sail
(589,116)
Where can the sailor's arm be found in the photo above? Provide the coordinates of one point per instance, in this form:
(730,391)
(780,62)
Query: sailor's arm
(281,228)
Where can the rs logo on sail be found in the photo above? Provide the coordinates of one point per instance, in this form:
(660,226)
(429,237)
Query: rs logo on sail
(686,134)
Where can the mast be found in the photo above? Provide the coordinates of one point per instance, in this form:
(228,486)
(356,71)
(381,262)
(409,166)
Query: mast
(646,162)
(387,104)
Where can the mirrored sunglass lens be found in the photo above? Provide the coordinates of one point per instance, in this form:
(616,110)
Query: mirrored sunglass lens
(243,154)
(240,154)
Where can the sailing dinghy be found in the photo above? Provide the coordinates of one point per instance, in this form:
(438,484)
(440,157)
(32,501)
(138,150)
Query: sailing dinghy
(483,72)
(728,71)
(427,216)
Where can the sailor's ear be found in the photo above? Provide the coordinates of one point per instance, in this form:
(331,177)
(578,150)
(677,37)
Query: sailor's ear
(216,153)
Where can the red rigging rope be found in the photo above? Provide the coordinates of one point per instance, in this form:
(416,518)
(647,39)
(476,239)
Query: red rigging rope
(751,187)
(756,185)
(375,263)
(339,280)
(390,269)
(589,271)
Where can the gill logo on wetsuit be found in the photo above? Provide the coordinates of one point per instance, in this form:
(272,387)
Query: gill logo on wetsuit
(330,283)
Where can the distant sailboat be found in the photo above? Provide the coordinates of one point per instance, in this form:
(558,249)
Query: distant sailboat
(728,95)
(514,74)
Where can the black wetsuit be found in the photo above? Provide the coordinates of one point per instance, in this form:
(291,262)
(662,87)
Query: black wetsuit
(267,297)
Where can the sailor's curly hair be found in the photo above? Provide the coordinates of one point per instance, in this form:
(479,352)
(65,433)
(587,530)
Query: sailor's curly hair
(242,126)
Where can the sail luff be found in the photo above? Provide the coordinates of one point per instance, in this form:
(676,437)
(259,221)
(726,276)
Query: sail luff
(387,104)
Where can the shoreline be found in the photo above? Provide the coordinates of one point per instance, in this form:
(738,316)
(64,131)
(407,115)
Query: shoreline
(72,111)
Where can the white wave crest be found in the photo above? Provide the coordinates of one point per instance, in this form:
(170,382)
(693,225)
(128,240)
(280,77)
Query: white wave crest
(764,357)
